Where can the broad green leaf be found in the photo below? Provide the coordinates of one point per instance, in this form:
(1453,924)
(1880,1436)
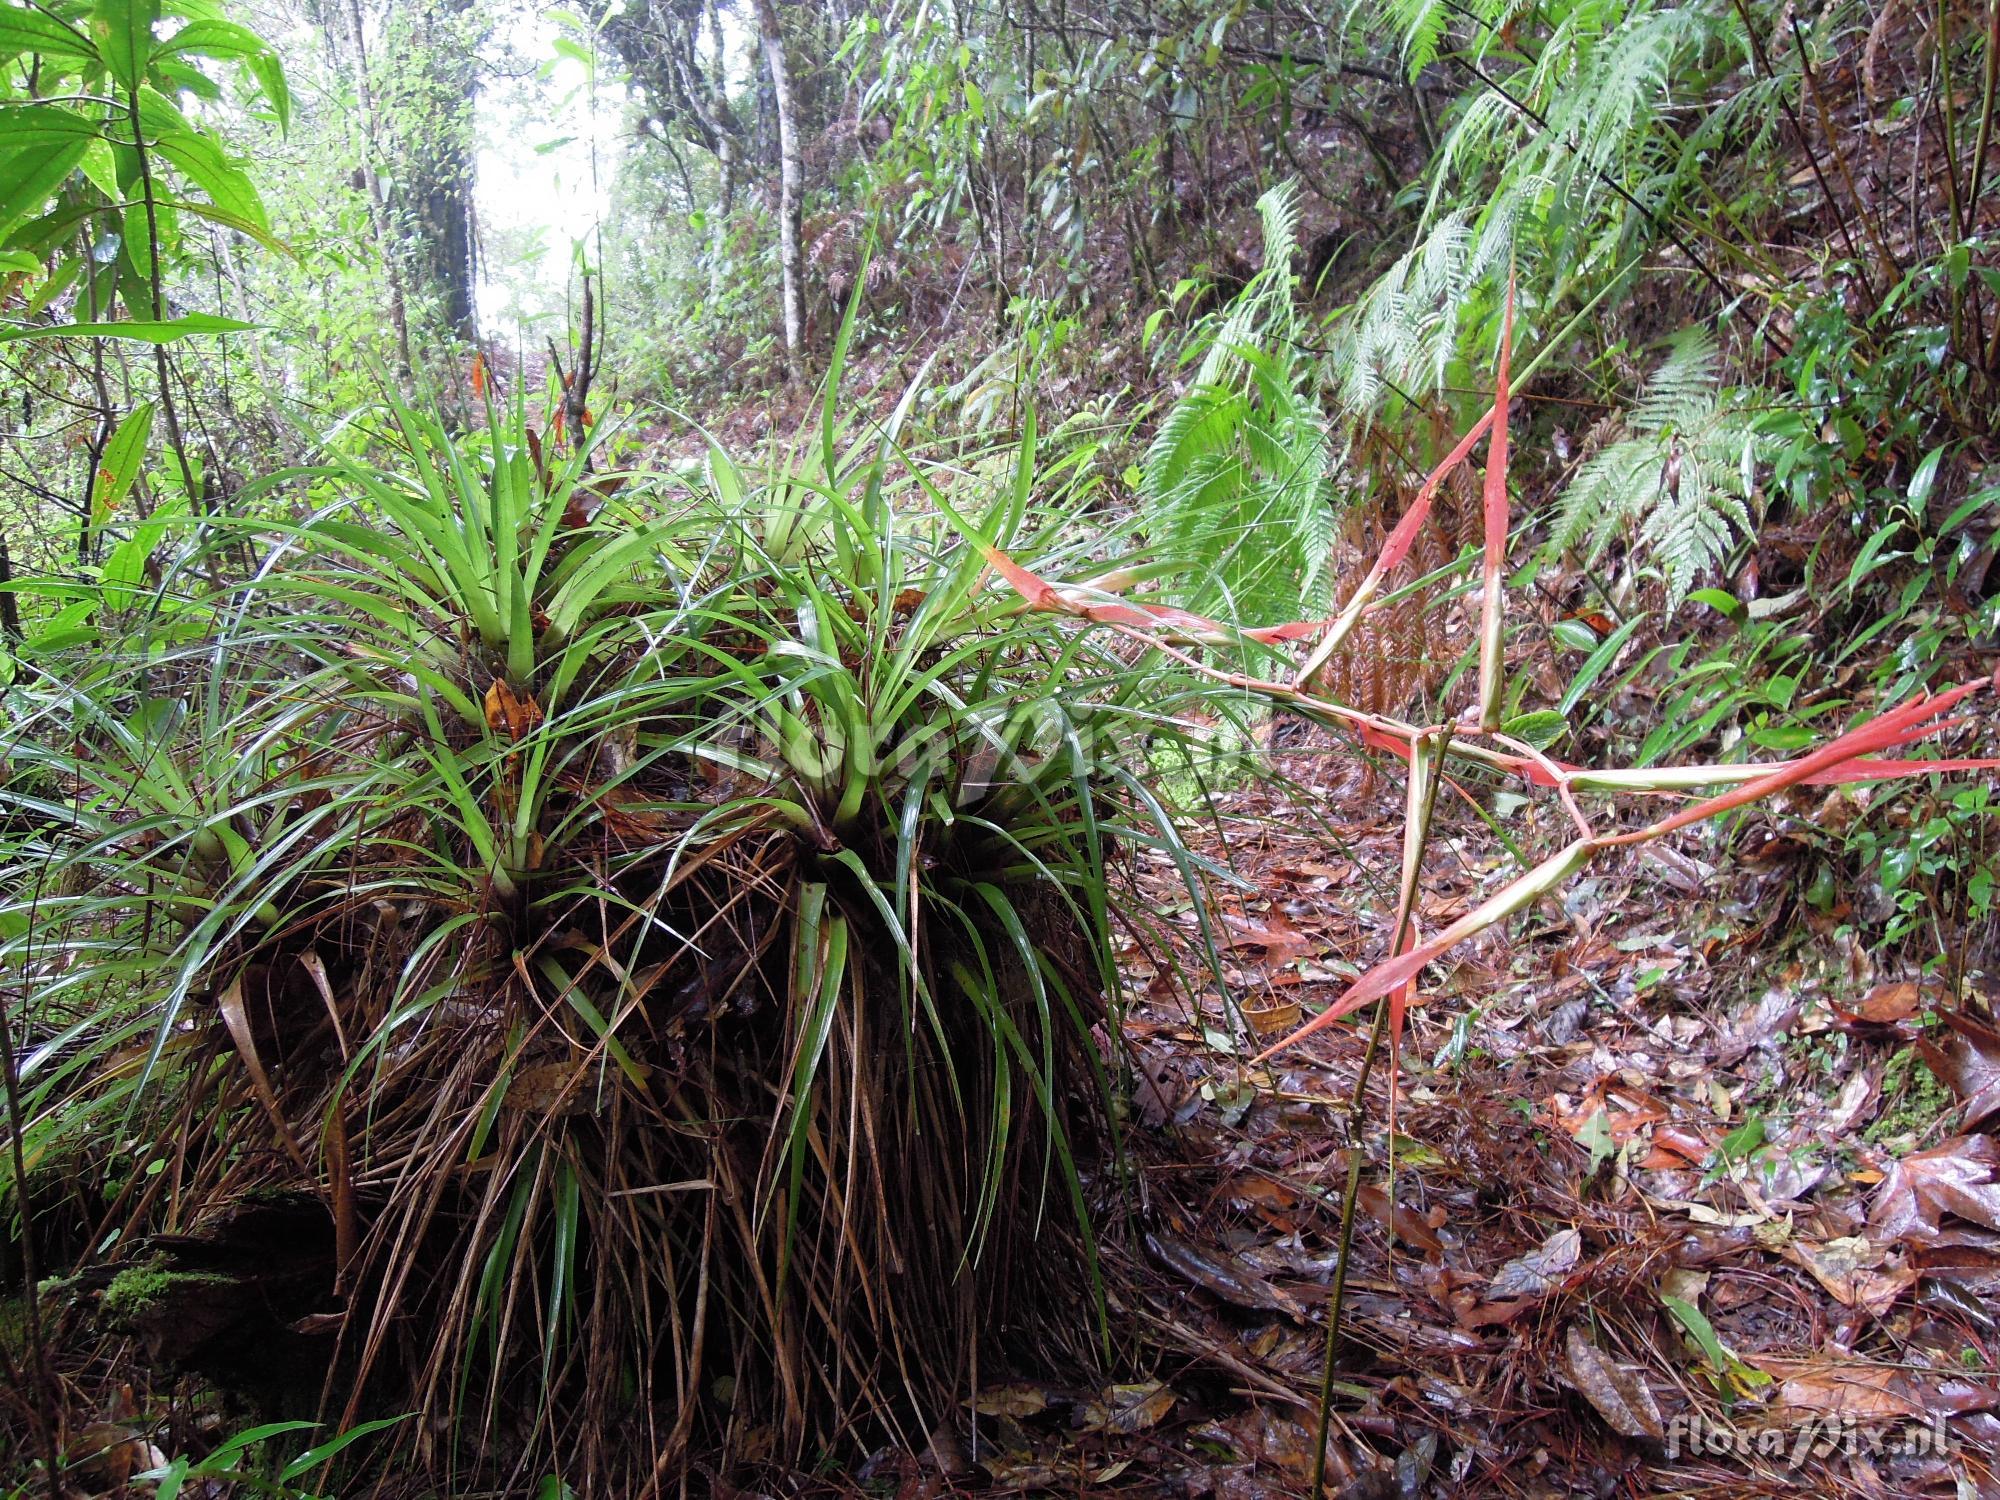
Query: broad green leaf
(26,125)
(1719,600)
(24,30)
(159,115)
(227,185)
(29,178)
(60,280)
(211,38)
(269,71)
(165,331)
(1541,728)
(17,260)
(120,465)
(123,32)
(100,167)
(227,220)
(1574,634)
(225,39)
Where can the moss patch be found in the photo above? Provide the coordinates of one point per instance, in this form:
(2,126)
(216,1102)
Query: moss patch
(143,1296)
(1918,1098)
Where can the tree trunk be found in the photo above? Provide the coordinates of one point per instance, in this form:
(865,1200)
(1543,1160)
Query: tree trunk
(790,188)
(378,203)
(725,164)
(434,78)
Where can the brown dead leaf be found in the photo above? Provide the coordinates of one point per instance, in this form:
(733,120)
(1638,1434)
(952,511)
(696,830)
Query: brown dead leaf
(1855,1104)
(1968,1064)
(1406,1223)
(1129,1408)
(1011,1400)
(1222,1274)
(1957,1177)
(508,712)
(1273,1019)
(1281,941)
(1621,1396)
(110,1453)
(1846,1388)
(1674,1149)
(1849,1269)
(1886,1004)
(547,1087)
(1266,1437)
(1540,1269)
(1266,1197)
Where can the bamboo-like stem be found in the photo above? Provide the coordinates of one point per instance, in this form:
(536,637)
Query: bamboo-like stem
(1426,778)
(47,1407)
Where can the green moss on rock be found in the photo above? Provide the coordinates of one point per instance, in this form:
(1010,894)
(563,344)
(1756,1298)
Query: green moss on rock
(143,1296)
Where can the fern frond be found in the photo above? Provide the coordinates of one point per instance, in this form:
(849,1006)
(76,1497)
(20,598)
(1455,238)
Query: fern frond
(1689,468)
(1235,479)
(1681,395)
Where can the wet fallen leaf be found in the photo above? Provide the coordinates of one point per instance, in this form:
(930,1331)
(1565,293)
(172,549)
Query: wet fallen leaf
(1674,1148)
(1011,1401)
(1222,1274)
(1886,1004)
(1621,1396)
(1273,1020)
(1969,1065)
(549,1086)
(110,1453)
(1023,1471)
(1281,941)
(1407,1224)
(1540,1269)
(1268,1437)
(1848,1388)
(1957,1177)
(1849,1270)
(1855,1104)
(1129,1408)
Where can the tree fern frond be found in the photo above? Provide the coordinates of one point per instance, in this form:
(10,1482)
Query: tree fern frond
(1422,23)
(1235,479)
(1688,468)
(1692,526)
(1681,395)
(1608,488)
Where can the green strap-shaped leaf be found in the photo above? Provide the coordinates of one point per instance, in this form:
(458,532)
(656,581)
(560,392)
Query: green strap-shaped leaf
(165,331)
(120,465)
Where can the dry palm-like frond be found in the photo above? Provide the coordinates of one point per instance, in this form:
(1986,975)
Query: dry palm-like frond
(1405,647)
(651,962)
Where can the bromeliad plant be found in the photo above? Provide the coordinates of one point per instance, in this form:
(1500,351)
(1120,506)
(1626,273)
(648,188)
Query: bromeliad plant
(648,942)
